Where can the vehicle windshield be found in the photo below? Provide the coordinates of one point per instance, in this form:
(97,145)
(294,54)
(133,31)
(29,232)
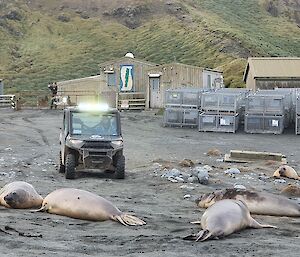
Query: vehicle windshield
(97,124)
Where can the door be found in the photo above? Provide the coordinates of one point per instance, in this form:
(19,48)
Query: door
(155,96)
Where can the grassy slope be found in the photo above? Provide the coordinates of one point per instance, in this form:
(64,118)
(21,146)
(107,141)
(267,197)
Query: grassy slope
(221,33)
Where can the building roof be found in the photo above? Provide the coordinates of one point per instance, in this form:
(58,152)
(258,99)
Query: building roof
(127,58)
(71,81)
(273,67)
(185,65)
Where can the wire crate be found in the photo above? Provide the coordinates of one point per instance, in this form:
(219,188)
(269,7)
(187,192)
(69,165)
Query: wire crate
(265,104)
(190,117)
(191,98)
(218,122)
(173,117)
(298,105)
(173,98)
(268,124)
(215,102)
(297,125)
(183,97)
(287,95)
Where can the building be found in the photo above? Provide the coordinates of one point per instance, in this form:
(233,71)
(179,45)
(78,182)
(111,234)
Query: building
(178,75)
(128,77)
(139,84)
(272,72)
(80,90)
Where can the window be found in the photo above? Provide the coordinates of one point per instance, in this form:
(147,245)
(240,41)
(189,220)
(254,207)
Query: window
(111,79)
(209,81)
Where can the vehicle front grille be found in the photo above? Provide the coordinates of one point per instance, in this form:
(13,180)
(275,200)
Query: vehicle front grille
(97,145)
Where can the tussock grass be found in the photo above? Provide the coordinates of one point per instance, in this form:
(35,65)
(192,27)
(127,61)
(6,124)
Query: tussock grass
(41,49)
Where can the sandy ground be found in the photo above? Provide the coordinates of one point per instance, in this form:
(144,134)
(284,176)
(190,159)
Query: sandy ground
(29,151)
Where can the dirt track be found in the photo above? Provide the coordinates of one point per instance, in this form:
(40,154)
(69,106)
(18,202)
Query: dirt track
(28,151)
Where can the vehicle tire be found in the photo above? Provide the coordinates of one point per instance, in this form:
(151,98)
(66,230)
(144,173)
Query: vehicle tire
(70,166)
(120,167)
(61,167)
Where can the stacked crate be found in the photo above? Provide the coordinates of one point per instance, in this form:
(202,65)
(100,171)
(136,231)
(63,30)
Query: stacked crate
(297,113)
(220,111)
(182,107)
(267,111)
(287,94)
(291,97)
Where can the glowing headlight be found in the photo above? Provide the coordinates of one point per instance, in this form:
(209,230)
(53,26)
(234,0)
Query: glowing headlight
(93,107)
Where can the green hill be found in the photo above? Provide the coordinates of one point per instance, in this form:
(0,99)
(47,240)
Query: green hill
(51,40)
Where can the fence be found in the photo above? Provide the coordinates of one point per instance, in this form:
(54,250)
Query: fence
(131,101)
(10,101)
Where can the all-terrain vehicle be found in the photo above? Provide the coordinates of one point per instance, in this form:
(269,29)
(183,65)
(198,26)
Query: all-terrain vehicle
(91,138)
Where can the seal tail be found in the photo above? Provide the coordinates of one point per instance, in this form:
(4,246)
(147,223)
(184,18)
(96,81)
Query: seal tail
(129,220)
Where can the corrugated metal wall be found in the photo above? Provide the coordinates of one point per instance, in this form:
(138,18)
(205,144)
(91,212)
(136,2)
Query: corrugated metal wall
(280,83)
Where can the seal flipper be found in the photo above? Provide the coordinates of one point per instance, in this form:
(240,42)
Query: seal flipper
(43,208)
(203,235)
(255,224)
(128,220)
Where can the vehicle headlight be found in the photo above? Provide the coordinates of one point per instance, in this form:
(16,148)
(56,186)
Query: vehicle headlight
(65,99)
(76,142)
(117,143)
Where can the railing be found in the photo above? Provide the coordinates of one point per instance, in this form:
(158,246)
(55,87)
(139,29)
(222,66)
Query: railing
(9,101)
(131,101)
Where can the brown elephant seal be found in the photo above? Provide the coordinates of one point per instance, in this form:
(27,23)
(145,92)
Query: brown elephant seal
(291,190)
(257,202)
(20,195)
(224,218)
(80,204)
(286,171)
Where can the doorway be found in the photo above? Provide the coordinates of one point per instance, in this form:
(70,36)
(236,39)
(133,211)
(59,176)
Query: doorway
(155,95)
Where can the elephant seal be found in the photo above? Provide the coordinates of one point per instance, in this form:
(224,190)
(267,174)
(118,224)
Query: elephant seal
(20,195)
(257,202)
(286,171)
(291,190)
(224,218)
(81,204)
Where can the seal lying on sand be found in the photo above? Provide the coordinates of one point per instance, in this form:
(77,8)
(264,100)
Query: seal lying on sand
(257,202)
(286,171)
(291,190)
(224,218)
(20,195)
(80,204)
